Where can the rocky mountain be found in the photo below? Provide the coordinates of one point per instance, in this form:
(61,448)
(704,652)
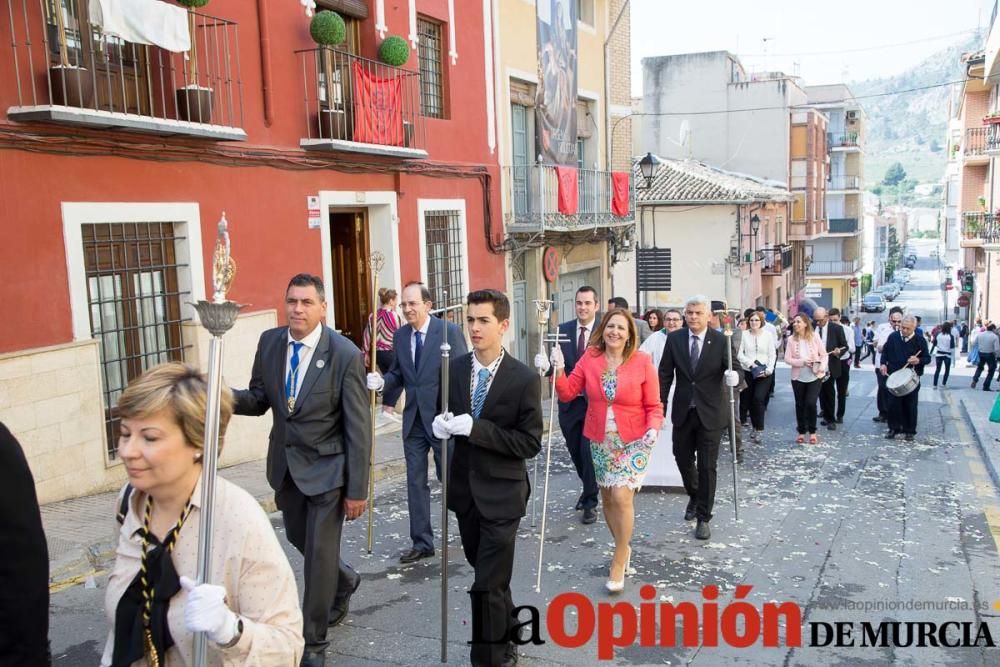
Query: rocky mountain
(910,127)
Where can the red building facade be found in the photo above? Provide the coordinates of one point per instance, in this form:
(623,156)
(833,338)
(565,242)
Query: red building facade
(115,173)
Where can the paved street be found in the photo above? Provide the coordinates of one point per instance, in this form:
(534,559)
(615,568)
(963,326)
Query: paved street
(854,520)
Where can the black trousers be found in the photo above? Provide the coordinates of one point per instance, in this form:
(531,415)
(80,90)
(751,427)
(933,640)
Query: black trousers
(753,399)
(882,395)
(842,382)
(942,361)
(583,461)
(313,525)
(696,450)
(805,404)
(489,548)
(988,359)
(903,412)
(828,396)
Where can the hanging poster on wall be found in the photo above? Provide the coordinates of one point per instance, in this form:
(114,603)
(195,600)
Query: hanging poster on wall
(555,104)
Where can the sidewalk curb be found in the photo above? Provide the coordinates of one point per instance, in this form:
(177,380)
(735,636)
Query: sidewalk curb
(991,466)
(94,559)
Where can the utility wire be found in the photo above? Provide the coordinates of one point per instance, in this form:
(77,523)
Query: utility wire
(860,49)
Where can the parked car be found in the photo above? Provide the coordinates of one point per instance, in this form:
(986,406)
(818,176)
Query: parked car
(873,303)
(890,291)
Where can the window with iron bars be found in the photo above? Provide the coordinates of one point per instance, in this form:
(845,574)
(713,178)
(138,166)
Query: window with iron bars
(135,305)
(430,52)
(443,233)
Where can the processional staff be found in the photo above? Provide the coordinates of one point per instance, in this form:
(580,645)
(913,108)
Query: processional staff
(218,316)
(375,262)
(445,370)
(726,318)
(543,310)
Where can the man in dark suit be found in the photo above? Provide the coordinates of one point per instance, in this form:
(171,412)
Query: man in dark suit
(576,334)
(24,576)
(497,424)
(697,357)
(833,337)
(416,367)
(904,347)
(313,381)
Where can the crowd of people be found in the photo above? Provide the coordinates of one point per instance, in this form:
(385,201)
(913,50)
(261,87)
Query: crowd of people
(619,379)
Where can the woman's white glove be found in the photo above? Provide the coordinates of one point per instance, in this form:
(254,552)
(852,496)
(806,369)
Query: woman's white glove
(650,438)
(542,362)
(732,379)
(558,361)
(206,611)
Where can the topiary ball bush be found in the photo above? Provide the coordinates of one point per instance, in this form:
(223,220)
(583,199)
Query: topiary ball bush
(193,3)
(328,28)
(394,51)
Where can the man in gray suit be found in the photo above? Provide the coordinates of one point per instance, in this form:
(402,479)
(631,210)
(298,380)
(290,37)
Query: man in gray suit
(313,381)
(417,368)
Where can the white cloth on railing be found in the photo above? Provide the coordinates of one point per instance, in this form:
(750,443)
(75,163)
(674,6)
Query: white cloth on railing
(143,22)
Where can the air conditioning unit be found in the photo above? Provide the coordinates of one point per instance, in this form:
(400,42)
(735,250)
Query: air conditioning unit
(852,115)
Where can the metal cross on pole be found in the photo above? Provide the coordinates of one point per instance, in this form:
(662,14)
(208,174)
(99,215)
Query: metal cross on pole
(375,262)
(218,316)
(543,309)
(726,319)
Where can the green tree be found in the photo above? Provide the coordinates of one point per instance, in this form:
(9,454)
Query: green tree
(894,174)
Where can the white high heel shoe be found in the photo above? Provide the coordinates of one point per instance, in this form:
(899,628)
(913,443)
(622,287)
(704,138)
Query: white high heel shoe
(618,586)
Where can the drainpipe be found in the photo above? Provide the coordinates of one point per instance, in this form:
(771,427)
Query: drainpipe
(265,61)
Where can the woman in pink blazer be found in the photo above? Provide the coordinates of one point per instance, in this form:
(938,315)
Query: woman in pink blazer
(806,354)
(623,418)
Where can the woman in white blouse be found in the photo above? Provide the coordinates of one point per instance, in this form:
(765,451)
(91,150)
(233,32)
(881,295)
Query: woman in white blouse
(757,355)
(249,610)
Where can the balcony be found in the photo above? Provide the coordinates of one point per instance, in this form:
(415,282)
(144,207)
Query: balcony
(992,141)
(980,230)
(839,182)
(845,141)
(843,226)
(834,268)
(532,206)
(775,261)
(806,231)
(68,71)
(357,105)
(974,146)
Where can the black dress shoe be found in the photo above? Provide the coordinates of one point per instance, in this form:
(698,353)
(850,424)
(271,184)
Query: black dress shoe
(891,435)
(689,512)
(589,515)
(338,612)
(822,422)
(878,418)
(579,505)
(910,436)
(840,420)
(831,426)
(413,555)
(739,457)
(702,531)
(313,658)
(510,655)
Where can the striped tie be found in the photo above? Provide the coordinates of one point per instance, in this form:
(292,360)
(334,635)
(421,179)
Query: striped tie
(479,397)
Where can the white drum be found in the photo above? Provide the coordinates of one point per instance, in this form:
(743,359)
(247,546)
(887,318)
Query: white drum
(902,382)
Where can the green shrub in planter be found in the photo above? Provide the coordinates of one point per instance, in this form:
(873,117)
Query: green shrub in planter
(394,51)
(328,28)
(193,3)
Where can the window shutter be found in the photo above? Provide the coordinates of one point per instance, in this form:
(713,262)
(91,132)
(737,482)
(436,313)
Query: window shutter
(522,93)
(584,125)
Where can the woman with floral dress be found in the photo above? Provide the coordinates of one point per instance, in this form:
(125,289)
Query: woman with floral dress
(624,415)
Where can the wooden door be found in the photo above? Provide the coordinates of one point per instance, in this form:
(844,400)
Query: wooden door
(351,288)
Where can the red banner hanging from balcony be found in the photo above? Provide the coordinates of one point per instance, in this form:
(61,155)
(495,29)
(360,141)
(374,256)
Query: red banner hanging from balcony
(619,193)
(569,194)
(378,108)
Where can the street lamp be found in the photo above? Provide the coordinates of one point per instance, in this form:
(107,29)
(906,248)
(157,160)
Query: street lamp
(648,167)
(754,228)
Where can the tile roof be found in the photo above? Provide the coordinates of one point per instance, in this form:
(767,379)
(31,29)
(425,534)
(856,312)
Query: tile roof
(693,182)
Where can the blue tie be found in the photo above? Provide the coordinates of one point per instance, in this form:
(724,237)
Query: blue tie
(293,372)
(479,397)
(416,352)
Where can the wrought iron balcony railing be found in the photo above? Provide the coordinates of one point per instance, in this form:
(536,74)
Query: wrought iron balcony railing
(775,261)
(984,227)
(837,267)
(531,194)
(842,139)
(358,105)
(843,226)
(67,70)
(842,182)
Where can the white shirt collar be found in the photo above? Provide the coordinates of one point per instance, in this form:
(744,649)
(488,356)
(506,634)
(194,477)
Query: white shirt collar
(692,334)
(426,327)
(589,326)
(311,340)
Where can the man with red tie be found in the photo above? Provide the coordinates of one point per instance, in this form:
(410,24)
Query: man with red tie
(576,334)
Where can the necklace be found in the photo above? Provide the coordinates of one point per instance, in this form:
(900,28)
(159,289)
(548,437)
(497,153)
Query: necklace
(148,589)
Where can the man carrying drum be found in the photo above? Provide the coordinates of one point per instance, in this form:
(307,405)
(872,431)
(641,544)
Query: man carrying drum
(904,348)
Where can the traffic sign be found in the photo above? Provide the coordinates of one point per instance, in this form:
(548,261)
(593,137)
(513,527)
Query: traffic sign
(963,301)
(550,263)
(854,282)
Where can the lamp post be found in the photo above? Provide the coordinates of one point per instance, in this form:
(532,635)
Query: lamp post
(754,228)
(648,167)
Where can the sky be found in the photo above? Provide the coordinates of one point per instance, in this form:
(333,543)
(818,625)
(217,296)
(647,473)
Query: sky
(872,38)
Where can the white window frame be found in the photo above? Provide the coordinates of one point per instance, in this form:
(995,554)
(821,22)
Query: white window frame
(190,269)
(457,205)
